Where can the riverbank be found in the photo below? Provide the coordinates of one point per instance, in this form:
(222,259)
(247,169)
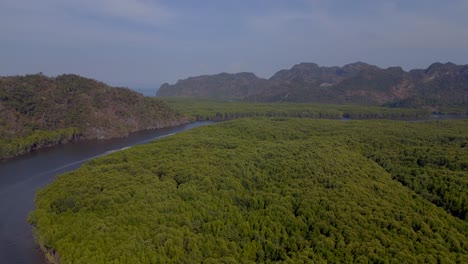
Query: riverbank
(37,111)
(44,139)
(22,176)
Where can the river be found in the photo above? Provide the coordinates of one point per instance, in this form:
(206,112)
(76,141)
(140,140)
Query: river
(21,177)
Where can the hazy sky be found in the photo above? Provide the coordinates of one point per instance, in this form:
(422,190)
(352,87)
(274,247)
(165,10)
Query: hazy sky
(143,43)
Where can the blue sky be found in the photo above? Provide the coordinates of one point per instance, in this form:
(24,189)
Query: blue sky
(144,43)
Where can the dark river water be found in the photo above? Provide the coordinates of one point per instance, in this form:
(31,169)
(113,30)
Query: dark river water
(21,177)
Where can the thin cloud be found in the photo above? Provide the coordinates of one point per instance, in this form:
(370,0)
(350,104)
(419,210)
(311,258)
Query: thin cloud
(67,23)
(277,21)
(151,13)
(388,26)
(146,12)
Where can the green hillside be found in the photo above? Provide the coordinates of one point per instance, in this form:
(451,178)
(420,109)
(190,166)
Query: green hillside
(38,111)
(268,190)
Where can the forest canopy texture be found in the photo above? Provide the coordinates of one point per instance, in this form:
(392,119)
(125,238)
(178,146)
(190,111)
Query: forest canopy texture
(201,109)
(268,190)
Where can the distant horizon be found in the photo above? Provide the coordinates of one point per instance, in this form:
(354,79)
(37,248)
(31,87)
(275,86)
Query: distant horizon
(151,90)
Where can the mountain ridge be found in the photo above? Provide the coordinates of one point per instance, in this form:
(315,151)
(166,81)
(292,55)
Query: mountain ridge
(441,84)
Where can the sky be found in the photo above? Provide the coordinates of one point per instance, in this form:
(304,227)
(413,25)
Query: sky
(144,43)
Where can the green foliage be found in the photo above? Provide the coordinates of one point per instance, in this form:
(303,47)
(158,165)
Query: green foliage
(206,109)
(265,190)
(431,160)
(460,110)
(38,139)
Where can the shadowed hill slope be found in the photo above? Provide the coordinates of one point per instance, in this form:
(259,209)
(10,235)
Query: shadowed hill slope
(36,111)
(219,86)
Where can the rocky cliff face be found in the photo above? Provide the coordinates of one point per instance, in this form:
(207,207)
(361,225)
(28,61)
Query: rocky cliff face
(355,83)
(219,86)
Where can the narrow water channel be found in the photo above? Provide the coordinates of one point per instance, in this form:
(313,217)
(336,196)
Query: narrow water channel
(21,177)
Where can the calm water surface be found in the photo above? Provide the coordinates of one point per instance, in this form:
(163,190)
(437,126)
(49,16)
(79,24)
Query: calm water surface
(21,177)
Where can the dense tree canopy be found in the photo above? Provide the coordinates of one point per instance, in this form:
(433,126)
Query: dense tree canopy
(206,109)
(268,190)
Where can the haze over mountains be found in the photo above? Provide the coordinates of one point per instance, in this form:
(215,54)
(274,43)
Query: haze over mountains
(355,83)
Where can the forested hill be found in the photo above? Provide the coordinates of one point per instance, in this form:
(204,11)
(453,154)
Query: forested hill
(356,83)
(36,111)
